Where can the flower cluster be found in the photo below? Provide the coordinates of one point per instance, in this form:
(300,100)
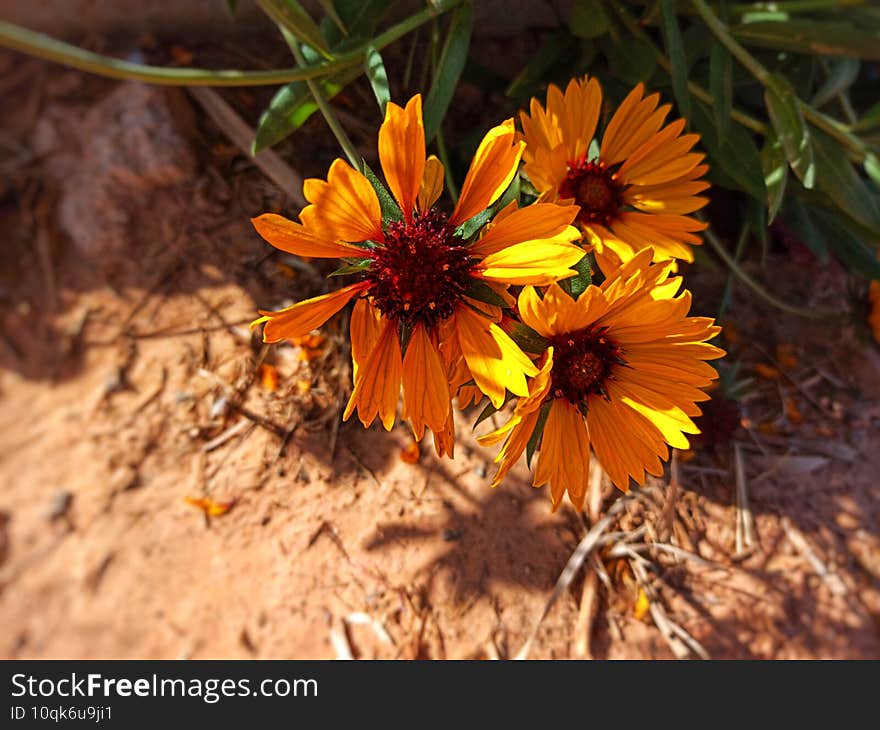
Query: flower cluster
(502,298)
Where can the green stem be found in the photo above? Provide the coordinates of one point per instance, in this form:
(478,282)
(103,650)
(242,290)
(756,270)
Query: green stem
(42,46)
(698,91)
(737,255)
(735,268)
(826,124)
(329,115)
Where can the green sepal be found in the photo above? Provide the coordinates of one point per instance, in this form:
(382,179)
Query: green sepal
(390,209)
(532,445)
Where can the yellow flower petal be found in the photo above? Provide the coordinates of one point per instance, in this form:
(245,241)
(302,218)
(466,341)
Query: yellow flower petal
(533,262)
(536,222)
(564,458)
(494,359)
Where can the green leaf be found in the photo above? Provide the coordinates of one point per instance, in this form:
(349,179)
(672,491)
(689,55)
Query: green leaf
(361,16)
(482,292)
(791,129)
(232,6)
(836,176)
(631,60)
(721,86)
(675,50)
(472,225)
(588,19)
(816,37)
(797,219)
(375,70)
(355,266)
(527,339)
(389,206)
(850,249)
(449,68)
(549,53)
(872,167)
(735,154)
(842,74)
(869,120)
(330,10)
(292,105)
(538,432)
(576,285)
(775,174)
(289,14)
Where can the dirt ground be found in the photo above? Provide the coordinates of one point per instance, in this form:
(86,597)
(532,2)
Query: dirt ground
(161,495)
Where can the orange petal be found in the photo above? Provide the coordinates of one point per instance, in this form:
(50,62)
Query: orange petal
(491,171)
(303,317)
(378,388)
(432,183)
(564,458)
(366,324)
(402,152)
(286,235)
(425,390)
(539,221)
(345,208)
(495,361)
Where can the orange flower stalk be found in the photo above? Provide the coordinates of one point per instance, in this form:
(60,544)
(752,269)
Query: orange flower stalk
(637,191)
(427,294)
(622,372)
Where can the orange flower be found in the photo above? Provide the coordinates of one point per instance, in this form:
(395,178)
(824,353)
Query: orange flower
(622,373)
(427,286)
(635,189)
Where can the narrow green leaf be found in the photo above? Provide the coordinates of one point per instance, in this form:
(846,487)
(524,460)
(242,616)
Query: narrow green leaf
(290,15)
(550,52)
(837,177)
(736,160)
(361,16)
(588,19)
(798,221)
(721,86)
(631,60)
(675,50)
(472,225)
(815,37)
(791,129)
(532,445)
(872,167)
(577,285)
(292,105)
(487,412)
(355,266)
(849,248)
(390,208)
(375,69)
(869,120)
(527,339)
(232,6)
(482,292)
(775,174)
(330,10)
(842,73)
(449,68)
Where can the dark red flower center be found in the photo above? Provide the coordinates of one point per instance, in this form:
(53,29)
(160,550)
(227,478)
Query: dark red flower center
(594,189)
(420,272)
(583,363)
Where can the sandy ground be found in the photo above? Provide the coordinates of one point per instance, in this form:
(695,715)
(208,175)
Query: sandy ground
(130,387)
